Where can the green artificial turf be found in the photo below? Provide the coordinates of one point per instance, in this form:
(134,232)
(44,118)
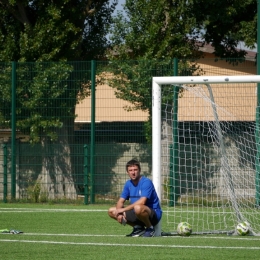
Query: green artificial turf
(86,232)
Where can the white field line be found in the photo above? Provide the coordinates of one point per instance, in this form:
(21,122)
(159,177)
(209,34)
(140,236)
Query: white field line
(86,210)
(163,237)
(64,235)
(21,210)
(127,245)
(177,237)
(17,210)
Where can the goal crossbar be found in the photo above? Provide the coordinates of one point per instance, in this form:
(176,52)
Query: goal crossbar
(205,79)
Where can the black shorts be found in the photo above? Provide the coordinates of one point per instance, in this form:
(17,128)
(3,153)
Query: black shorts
(131,217)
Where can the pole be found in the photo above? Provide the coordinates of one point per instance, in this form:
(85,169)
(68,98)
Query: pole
(13,142)
(86,171)
(257,137)
(5,172)
(175,185)
(156,145)
(93,130)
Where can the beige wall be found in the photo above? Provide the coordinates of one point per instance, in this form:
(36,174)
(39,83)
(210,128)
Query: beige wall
(213,66)
(108,108)
(239,99)
(237,102)
(234,103)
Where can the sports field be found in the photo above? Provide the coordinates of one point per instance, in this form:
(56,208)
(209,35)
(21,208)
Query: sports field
(86,232)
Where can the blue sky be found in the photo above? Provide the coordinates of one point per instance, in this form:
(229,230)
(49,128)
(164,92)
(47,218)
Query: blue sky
(119,6)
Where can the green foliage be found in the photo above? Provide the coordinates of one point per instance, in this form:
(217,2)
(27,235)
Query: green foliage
(41,88)
(5,95)
(33,192)
(53,30)
(172,29)
(152,31)
(44,92)
(225,23)
(132,81)
(155,30)
(40,31)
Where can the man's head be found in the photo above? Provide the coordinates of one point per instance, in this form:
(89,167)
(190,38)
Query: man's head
(132,163)
(133,170)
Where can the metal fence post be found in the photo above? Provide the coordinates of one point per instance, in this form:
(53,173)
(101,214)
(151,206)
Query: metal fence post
(86,171)
(5,172)
(257,137)
(93,125)
(13,142)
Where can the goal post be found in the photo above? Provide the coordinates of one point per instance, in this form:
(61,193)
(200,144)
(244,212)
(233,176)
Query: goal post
(208,176)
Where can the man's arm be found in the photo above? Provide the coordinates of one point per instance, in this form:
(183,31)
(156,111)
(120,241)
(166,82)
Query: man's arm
(120,210)
(120,203)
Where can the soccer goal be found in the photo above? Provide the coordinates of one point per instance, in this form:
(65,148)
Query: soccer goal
(206,149)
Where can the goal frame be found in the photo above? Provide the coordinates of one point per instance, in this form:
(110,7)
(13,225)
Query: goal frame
(157,83)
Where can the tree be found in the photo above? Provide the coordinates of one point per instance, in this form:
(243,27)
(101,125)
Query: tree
(224,24)
(40,31)
(158,31)
(57,30)
(153,33)
(155,30)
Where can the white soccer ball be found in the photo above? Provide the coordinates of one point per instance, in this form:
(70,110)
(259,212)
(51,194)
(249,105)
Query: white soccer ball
(243,228)
(184,229)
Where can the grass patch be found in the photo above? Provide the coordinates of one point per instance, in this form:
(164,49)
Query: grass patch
(86,232)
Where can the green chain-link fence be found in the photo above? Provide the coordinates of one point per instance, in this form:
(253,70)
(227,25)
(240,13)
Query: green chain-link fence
(66,131)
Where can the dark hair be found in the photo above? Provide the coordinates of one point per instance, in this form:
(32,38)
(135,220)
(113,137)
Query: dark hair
(133,162)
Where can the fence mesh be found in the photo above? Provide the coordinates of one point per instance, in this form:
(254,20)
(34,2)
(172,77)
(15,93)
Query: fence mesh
(70,137)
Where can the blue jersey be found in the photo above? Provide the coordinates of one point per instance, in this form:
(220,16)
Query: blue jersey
(144,188)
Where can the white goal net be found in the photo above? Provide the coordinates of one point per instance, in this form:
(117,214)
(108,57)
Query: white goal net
(206,152)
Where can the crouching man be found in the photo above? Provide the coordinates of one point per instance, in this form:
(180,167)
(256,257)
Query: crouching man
(144,210)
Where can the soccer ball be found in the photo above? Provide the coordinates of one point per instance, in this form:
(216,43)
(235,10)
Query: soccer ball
(243,228)
(184,229)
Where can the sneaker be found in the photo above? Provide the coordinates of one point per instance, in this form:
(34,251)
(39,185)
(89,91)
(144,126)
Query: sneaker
(13,231)
(149,232)
(137,232)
